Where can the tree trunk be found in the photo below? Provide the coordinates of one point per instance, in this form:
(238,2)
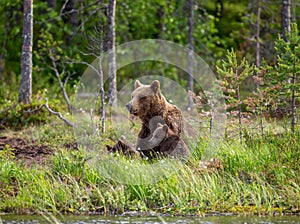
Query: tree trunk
(258,61)
(26,57)
(51,3)
(293,112)
(4,44)
(261,123)
(112,79)
(101,88)
(190,54)
(257,47)
(285,18)
(219,13)
(239,114)
(161,15)
(61,85)
(69,7)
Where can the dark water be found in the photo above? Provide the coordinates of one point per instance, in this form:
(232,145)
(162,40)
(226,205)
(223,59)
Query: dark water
(12,219)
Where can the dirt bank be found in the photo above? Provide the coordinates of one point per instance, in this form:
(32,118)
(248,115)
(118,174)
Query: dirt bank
(26,151)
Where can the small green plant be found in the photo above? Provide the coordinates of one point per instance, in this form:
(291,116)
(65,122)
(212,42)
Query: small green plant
(233,73)
(7,153)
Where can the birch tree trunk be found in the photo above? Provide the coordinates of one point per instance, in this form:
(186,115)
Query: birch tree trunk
(294,107)
(190,54)
(257,35)
(101,92)
(112,79)
(26,57)
(285,18)
(258,62)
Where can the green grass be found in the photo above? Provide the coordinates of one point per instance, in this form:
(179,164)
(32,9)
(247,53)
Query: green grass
(259,176)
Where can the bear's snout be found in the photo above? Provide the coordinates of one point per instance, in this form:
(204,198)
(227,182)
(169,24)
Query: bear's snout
(130,109)
(128,106)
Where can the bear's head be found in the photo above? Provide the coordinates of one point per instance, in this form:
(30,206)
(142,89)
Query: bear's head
(146,100)
(158,135)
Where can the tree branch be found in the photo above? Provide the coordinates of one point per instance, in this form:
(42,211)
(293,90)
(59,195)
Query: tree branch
(58,114)
(61,84)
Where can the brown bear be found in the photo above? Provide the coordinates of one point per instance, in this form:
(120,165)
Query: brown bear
(124,147)
(165,142)
(149,104)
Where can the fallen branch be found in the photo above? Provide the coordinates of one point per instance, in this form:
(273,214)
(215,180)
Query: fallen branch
(58,114)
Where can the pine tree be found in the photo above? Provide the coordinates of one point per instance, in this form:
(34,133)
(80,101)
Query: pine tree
(233,73)
(284,76)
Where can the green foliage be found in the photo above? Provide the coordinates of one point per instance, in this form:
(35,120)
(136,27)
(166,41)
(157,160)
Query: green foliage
(259,177)
(19,115)
(7,153)
(16,116)
(279,76)
(233,73)
(283,78)
(70,163)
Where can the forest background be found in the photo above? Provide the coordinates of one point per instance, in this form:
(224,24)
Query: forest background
(253,48)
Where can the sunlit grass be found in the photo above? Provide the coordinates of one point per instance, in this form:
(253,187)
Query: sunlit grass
(259,176)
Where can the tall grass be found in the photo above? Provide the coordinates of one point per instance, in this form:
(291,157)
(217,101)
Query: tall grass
(259,176)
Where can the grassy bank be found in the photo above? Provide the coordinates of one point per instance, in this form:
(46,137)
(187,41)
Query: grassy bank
(260,176)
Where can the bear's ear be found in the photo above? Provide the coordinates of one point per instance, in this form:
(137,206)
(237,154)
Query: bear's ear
(137,84)
(155,86)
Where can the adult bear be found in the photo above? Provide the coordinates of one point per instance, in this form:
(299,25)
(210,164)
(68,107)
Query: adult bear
(148,103)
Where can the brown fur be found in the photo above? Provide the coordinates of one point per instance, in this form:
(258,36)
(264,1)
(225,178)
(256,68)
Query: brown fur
(148,102)
(152,108)
(165,142)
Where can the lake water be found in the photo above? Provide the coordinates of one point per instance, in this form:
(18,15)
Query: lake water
(13,219)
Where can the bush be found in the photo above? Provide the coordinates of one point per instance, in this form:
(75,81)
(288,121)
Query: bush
(16,116)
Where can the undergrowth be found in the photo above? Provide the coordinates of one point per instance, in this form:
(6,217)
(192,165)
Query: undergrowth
(260,176)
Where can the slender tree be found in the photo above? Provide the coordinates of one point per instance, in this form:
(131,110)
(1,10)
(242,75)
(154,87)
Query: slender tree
(289,68)
(70,9)
(98,46)
(285,18)
(233,73)
(101,89)
(219,8)
(190,53)
(283,78)
(51,3)
(4,44)
(258,62)
(257,35)
(26,57)
(112,77)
